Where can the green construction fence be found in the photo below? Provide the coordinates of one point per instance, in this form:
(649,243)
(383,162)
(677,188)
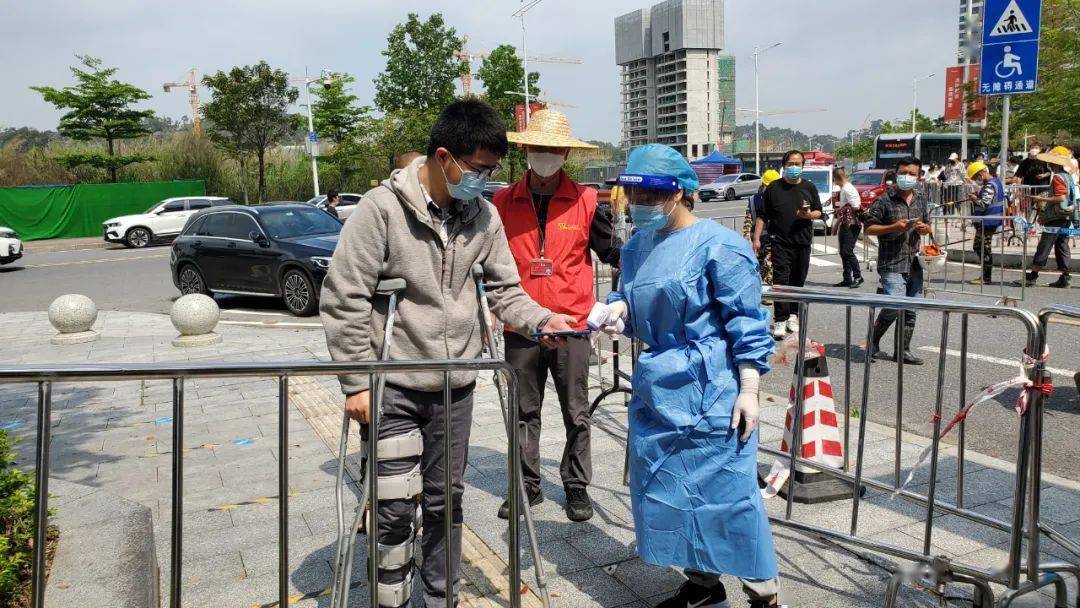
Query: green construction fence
(61,212)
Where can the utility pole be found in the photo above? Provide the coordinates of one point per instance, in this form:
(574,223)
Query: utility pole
(757,107)
(969,44)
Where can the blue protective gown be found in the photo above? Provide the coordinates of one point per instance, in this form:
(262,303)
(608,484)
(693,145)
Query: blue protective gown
(694,299)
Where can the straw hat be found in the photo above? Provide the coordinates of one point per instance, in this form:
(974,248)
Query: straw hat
(548,128)
(1059,156)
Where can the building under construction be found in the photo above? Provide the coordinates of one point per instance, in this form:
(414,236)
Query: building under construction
(678,88)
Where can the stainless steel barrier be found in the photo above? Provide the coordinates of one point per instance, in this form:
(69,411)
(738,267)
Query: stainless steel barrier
(937,571)
(1045,314)
(957,231)
(45,376)
(819,244)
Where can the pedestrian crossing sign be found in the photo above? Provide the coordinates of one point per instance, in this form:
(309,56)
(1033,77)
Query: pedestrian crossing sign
(1012,21)
(1010,47)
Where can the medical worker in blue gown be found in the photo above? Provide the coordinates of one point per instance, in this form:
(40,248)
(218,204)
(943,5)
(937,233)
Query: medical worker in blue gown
(692,294)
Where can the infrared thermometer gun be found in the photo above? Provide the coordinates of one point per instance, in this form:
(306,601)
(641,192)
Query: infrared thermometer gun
(597,315)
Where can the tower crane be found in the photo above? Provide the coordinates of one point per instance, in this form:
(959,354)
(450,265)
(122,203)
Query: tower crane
(468,56)
(192,86)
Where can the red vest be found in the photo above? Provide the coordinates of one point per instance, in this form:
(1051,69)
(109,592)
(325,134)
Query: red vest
(570,289)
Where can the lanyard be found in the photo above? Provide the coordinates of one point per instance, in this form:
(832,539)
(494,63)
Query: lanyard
(545,200)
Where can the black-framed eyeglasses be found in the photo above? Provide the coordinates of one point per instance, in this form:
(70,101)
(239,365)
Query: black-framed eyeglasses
(484,173)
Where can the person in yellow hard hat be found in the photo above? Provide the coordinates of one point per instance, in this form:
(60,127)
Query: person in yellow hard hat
(753,211)
(988,201)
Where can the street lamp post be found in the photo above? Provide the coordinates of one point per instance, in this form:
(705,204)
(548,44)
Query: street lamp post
(526,6)
(915,98)
(326,78)
(757,107)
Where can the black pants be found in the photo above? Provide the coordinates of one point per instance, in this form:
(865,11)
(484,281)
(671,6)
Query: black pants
(405,410)
(569,368)
(790,265)
(1060,244)
(983,245)
(849,238)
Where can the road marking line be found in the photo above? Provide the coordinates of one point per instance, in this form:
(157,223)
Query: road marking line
(241,311)
(820,262)
(1065,321)
(102,261)
(1000,361)
(271,324)
(826,249)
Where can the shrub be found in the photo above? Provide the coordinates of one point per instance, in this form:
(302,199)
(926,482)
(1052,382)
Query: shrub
(16,527)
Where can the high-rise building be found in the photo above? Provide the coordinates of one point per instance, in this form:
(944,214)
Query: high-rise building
(677,87)
(970,39)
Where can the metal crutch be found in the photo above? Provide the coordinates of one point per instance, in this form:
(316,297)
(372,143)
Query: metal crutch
(346,545)
(489,341)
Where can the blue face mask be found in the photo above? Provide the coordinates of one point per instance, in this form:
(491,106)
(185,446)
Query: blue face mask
(648,217)
(906,182)
(471,186)
(793,172)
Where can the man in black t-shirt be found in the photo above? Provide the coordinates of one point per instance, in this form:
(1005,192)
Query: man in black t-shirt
(1032,171)
(789,208)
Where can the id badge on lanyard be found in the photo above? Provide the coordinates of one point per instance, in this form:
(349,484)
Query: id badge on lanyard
(541,267)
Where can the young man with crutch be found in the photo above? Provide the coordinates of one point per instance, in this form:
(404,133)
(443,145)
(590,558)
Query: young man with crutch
(426,224)
(554,228)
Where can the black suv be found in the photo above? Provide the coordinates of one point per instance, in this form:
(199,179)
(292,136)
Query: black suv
(279,250)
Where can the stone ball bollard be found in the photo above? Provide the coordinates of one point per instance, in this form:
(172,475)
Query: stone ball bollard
(195,316)
(73,315)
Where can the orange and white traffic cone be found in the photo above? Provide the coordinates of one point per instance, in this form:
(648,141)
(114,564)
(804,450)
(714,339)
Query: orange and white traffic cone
(820,438)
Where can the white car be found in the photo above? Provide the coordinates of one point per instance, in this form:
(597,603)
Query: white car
(346,203)
(730,187)
(11,247)
(821,177)
(164,220)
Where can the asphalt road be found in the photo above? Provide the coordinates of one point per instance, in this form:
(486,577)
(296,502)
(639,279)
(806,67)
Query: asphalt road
(138,280)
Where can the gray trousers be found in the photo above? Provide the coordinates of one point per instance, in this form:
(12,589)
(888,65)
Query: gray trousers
(405,410)
(755,590)
(569,368)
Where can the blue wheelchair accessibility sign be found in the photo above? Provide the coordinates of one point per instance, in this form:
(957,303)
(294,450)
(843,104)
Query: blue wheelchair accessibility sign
(1010,47)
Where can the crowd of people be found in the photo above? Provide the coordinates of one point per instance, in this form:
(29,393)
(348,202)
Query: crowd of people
(690,291)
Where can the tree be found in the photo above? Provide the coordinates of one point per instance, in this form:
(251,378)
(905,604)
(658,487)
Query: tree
(1054,108)
(420,66)
(99,107)
(502,71)
(248,112)
(335,111)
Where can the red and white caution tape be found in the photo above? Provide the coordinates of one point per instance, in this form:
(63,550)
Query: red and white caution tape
(988,393)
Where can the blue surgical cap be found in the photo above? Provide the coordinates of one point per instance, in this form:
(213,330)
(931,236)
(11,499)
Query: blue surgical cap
(661,160)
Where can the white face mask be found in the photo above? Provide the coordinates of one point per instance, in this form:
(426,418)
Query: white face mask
(545,164)
(1034,152)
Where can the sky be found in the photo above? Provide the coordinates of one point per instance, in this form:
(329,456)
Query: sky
(850,57)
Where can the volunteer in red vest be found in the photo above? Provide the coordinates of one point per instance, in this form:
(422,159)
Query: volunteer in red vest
(554,228)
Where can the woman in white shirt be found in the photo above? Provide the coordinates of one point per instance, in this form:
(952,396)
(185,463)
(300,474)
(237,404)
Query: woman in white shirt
(847,226)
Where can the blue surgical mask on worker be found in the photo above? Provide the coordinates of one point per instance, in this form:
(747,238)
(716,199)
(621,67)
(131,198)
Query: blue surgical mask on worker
(649,217)
(472,184)
(793,172)
(906,182)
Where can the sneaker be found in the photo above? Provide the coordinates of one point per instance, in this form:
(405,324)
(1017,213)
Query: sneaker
(578,505)
(779,330)
(691,595)
(980,282)
(793,324)
(844,283)
(764,603)
(857,282)
(534,499)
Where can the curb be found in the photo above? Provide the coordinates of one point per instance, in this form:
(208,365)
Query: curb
(59,245)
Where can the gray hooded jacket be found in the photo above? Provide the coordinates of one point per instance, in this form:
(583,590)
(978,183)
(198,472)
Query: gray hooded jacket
(391,235)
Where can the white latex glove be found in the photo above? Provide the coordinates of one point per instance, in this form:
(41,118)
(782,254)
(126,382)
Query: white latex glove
(746,404)
(614,319)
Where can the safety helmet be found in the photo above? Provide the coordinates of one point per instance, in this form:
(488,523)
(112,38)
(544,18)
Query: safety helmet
(976,168)
(769,177)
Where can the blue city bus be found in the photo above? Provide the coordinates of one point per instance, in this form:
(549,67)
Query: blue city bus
(889,148)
